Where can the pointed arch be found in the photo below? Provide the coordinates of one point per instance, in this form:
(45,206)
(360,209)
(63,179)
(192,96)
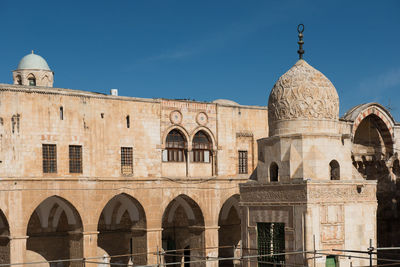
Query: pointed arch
(190,207)
(208,132)
(183,229)
(31,79)
(174,127)
(55,230)
(358,113)
(123,220)
(229,232)
(120,204)
(49,211)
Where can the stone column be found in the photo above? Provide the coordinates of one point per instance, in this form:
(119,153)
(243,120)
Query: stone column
(90,247)
(211,244)
(75,248)
(18,249)
(154,243)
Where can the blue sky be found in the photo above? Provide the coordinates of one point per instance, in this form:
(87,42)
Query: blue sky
(205,50)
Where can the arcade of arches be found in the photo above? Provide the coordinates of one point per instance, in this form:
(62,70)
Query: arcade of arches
(56,232)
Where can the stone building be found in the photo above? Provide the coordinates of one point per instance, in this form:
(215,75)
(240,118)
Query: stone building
(86,174)
(315,186)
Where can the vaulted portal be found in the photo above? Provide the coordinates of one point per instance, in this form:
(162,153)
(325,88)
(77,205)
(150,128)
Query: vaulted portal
(229,231)
(374,159)
(55,232)
(4,239)
(183,232)
(122,230)
(372,146)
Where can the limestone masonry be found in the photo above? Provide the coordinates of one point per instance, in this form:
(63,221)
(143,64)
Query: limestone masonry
(108,178)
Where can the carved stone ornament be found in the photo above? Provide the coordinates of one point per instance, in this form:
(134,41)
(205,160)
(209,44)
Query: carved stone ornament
(202,118)
(303,92)
(175,117)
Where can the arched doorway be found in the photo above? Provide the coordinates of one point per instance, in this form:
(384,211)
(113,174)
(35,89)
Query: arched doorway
(229,231)
(122,230)
(4,239)
(372,155)
(55,232)
(183,232)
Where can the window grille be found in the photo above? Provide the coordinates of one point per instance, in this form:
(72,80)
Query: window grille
(270,240)
(126,160)
(175,145)
(243,168)
(201,147)
(75,159)
(49,156)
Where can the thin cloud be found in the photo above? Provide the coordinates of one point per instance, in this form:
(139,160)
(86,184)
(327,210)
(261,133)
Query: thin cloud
(383,81)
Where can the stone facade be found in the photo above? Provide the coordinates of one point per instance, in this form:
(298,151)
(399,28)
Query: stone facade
(101,211)
(319,177)
(100,177)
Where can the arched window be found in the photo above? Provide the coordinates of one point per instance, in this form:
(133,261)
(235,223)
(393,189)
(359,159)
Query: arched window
(334,170)
(32,80)
(201,147)
(175,145)
(273,172)
(18,80)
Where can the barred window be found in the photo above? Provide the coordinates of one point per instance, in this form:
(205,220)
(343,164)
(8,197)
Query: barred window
(175,145)
(243,162)
(126,160)
(49,155)
(271,240)
(201,147)
(75,159)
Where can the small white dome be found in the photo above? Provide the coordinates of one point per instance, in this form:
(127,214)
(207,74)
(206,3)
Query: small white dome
(33,62)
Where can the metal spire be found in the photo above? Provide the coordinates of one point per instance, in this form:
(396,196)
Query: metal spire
(300,30)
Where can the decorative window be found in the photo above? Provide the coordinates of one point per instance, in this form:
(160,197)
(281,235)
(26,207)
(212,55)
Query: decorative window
(175,145)
(201,147)
(49,155)
(271,241)
(126,160)
(32,80)
(75,159)
(273,172)
(243,162)
(334,170)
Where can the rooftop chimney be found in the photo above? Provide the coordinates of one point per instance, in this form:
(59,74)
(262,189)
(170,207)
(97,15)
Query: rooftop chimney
(114,92)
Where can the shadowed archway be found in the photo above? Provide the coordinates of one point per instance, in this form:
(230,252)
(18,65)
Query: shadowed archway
(55,232)
(374,158)
(183,232)
(4,239)
(122,230)
(229,231)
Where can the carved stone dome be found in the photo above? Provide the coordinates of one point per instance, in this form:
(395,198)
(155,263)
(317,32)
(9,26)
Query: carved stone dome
(302,93)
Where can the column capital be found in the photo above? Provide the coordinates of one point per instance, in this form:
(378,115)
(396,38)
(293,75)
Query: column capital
(18,237)
(90,233)
(155,230)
